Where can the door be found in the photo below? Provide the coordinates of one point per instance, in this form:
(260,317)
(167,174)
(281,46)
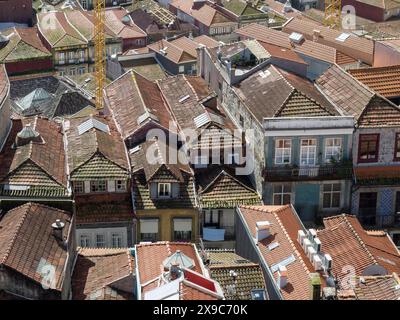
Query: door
(367,207)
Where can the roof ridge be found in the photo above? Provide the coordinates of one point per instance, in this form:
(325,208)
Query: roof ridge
(18,227)
(191,87)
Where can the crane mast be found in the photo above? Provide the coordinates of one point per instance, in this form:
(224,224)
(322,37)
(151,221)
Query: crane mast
(100,52)
(333,13)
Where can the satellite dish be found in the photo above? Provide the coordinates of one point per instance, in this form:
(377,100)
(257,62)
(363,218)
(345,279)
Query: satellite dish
(375,270)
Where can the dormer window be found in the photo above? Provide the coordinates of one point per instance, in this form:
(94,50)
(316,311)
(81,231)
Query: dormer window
(164,190)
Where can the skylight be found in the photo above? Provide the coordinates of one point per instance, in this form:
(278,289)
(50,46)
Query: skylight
(284,263)
(296,37)
(343,37)
(92,123)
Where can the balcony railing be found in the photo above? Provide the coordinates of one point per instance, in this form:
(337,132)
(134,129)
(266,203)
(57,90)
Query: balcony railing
(381,221)
(339,171)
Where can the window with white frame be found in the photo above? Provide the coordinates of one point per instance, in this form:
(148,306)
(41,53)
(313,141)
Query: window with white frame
(84,241)
(282,194)
(308,152)
(164,190)
(71,55)
(116,240)
(82,55)
(283,150)
(61,73)
(148,229)
(120,185)
(100,240)
(61,57)
(181,69)
(98,186)
(212,217)
(79,187)
(72,72)
(333,149)
(331,195)
(81,71)
(84,4)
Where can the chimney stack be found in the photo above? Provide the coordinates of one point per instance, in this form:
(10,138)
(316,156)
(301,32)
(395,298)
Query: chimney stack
(58,228)
(282,277)
(263,230)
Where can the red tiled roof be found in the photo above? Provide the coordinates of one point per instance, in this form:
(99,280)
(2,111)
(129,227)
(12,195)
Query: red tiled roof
(97,269)
(383,80)
(49,156)
(176,51)
(282,53)
(151,256)
(205,14)
(191,292)
(27,241)
(377,287)
(206,41)
(129,97)
(281,39)
(284,228)
(354,46)
(113,20)
(379,113)
(350,245)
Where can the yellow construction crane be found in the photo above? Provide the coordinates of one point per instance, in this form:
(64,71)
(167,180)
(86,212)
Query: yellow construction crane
(333,13)
(99,50)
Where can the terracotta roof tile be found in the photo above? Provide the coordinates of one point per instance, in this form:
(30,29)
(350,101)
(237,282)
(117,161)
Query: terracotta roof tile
(350,245)
(97,269)
(383,80)
(113,20)
(377,287)
(356,47)
(27,240)
(40,164)
(130,97)
(379,112)
(107,149)
(285,225)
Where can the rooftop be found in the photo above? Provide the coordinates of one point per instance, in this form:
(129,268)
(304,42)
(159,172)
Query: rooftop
(99,273)
(356,47)
(280,246)
(382,80)
(35,166)
(94,145)
(24,44)
(28,244)
(119,21)
(288,95)
(349,244)
(221,188)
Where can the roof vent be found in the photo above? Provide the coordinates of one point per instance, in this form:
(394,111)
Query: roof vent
(184,98)
(126,20)
(27,135)
(263,230)
(282,277)
(296,37)
(58,227)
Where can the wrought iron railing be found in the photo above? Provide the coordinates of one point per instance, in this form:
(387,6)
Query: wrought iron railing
(309,172)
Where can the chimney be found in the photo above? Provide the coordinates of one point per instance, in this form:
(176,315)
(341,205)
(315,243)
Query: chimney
(282,277)
(58,227)
(315,284)
(263,230)
(316,35)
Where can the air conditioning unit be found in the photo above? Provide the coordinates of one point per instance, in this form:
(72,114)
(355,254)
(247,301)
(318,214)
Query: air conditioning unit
(301,235)
(317,262)
(306,244)
(317,245)
(311,253)
(312,233)
(327,262)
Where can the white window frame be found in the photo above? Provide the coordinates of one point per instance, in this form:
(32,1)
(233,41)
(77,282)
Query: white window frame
(331,192)
(61,58)
(120,185)
(118,236)
(94,182)
(181,69)
(163,185)
(104,242)
(81,70)
(282,193)
(79,184)
(280,151)
(308,150)
(330,151)
(72,72)
(107,232)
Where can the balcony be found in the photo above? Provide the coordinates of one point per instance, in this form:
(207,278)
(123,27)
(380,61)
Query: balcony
(293,173)
(380,221)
